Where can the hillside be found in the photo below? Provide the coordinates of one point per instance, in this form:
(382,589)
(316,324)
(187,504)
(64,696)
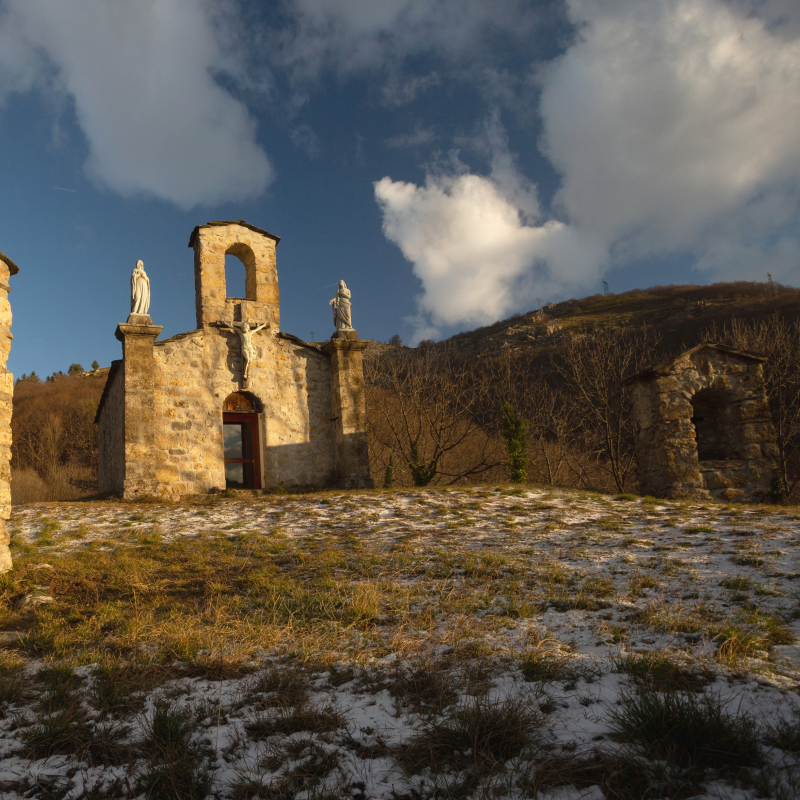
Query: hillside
(679,313)
(492,642)
(55,436)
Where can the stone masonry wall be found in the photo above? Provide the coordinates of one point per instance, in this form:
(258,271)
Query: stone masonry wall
(196,371)
(666,445)
(111,434)
(7,268)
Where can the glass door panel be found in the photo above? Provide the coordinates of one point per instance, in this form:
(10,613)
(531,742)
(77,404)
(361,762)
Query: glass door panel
(241,451)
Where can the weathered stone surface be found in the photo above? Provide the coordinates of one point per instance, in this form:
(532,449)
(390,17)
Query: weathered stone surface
(310,399)
(703,426)
(7,268)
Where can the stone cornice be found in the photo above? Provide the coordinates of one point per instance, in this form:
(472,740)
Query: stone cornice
(123,330)
(241,222)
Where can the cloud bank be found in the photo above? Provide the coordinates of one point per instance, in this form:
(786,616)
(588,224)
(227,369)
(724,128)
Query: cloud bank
(141,78)
(674,126)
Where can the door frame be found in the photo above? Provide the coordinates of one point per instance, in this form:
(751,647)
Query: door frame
(253,419)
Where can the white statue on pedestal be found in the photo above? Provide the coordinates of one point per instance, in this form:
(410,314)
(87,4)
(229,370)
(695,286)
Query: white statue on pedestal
(140,290)
(246,341)
(341,309)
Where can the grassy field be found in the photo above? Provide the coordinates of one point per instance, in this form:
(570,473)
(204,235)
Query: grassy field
(485,642)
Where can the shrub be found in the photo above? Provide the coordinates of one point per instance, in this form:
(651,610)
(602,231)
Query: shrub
(515,435)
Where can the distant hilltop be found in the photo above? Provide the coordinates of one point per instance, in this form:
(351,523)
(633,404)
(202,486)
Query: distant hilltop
(679,313)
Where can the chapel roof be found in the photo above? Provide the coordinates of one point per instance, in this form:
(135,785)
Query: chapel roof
(666,367)
(241,222)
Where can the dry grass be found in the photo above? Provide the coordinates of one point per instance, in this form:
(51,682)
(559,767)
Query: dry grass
(62,482)
(479,620)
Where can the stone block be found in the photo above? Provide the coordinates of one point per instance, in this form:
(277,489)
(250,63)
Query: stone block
(731,494)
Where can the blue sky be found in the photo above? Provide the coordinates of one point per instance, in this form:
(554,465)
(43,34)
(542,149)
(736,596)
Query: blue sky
(452,161)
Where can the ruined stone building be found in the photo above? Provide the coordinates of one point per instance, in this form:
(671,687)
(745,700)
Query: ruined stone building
(7,269)
(703,426)
(235,403)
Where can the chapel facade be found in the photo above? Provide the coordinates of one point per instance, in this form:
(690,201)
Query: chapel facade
(236,403)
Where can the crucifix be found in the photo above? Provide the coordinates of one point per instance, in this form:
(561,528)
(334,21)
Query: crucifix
(246,342)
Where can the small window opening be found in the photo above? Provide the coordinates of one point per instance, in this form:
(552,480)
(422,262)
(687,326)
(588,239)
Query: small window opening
(713,424)
(235,275)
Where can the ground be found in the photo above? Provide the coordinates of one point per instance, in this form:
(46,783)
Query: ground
(481,642)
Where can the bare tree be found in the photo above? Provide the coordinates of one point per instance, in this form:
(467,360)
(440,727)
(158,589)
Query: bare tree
(423,406)
(595,368)
(778,340)
(517,378)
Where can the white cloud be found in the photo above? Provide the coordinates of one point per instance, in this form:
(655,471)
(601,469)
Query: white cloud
(475,257)
(141,77)
(355,35)
(674,126)
(668,117)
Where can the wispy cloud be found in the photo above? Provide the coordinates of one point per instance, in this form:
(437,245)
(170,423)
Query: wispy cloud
(419,137)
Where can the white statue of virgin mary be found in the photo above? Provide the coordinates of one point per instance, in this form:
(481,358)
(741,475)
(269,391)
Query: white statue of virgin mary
(140,290)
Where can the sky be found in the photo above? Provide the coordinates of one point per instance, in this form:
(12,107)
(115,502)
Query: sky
(454,162)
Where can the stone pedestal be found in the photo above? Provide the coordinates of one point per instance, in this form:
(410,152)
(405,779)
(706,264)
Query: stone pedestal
(349,410)
(139,411)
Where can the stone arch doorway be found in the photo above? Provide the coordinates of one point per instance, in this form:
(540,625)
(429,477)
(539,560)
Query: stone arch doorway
(703,427)
(715,426)
(241,441)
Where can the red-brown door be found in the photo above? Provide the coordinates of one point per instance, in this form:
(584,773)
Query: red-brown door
(242,461)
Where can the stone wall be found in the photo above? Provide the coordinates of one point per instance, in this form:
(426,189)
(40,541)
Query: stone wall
(111,433)
(196,371)
(7,268)
(742,439)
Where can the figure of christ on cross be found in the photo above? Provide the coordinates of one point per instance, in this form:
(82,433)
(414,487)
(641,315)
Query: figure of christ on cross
(246,341)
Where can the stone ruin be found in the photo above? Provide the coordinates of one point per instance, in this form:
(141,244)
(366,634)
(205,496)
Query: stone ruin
(703,427)
(235,403)
(7,269)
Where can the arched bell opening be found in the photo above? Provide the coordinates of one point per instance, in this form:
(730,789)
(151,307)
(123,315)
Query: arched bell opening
(238,285)
(241,441)
(715,433)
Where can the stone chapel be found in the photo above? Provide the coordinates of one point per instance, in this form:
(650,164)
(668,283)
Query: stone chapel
(236,403)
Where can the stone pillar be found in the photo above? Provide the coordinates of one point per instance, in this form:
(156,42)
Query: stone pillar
(141,460)
(7,268)
(349,410)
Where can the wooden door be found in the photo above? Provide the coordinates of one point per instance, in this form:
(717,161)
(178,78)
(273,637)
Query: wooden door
(242,451)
